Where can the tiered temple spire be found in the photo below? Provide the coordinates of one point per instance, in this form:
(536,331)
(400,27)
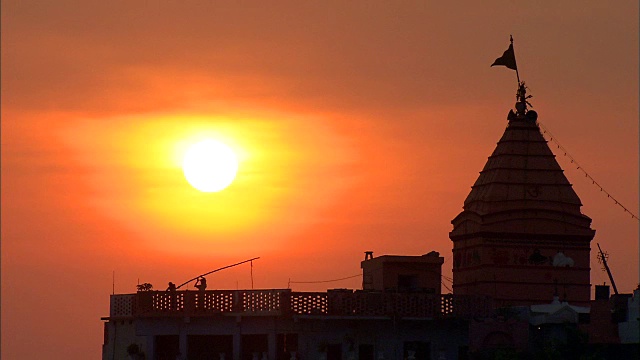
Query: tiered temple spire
(521,230)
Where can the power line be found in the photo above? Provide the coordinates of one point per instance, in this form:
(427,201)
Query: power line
(579,167)
(323,281)
(354,276)
(446,287)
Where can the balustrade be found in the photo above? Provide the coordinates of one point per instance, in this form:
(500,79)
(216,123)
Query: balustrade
(279,302)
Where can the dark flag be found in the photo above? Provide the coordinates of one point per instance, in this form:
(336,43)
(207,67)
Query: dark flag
(507,59)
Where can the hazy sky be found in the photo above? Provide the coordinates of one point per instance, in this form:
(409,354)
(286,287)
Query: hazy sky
(360,125)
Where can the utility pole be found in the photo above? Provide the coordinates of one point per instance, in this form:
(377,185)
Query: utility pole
(603,258)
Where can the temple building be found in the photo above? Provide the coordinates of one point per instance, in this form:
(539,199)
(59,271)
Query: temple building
(521,237)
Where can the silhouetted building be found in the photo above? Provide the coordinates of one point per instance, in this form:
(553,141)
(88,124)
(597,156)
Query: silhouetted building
(521,236)
(401,322)
(403,273)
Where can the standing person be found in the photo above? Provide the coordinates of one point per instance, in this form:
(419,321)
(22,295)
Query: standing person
(172,295)
(201,285)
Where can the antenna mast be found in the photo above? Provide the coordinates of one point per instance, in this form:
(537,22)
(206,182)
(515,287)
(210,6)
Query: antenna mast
(602,257)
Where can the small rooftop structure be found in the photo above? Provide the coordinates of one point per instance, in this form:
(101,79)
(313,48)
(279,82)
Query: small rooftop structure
(557,312)
(402,273)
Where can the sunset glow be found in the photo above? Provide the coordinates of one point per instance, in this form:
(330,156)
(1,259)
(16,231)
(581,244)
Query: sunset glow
(354,125)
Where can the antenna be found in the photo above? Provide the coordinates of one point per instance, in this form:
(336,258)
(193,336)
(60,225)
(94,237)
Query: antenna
(252,275)
(602,258)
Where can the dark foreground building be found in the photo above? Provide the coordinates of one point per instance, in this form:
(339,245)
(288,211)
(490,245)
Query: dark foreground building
(399,322)
(281,324)
(521,289)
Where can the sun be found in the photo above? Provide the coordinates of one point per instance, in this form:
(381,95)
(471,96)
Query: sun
(210,166)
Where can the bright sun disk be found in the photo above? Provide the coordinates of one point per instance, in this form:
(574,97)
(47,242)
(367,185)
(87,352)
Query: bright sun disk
(210,166)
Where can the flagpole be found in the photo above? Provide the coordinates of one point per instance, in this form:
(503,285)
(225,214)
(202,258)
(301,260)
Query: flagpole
(514,58)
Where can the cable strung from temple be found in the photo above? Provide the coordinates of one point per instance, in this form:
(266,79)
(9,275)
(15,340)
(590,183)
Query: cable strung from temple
(579,167)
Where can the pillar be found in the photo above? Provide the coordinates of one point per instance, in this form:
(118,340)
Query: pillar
(272,343)
(183,344)
(237,339)
(150,351)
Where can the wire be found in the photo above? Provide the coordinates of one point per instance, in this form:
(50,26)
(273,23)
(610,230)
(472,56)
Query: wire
(323,281)
(579,167)
(446,287)
(354,276)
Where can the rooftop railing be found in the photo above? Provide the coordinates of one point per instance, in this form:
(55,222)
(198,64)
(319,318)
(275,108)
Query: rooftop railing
(284,302)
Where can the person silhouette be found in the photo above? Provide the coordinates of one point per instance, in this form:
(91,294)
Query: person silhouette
(172,295)
(201,285)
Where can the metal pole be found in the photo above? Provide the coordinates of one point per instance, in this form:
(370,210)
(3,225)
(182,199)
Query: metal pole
(514,59)
(606,266)
(210,272)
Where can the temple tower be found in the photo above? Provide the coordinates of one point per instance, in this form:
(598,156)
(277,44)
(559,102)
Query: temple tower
(521,237)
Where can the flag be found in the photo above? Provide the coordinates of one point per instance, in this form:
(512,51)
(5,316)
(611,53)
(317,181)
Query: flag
(507,59)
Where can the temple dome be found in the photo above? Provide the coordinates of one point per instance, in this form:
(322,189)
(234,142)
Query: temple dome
(522,190)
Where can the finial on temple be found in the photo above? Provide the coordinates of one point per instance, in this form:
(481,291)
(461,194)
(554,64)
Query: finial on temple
(522,97)
(522,105)
(508,59)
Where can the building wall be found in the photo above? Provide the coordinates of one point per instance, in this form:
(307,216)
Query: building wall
(119,334)
(316,337)
(600,328)
(403,273)
(522,271)
(629,330)
(427,275)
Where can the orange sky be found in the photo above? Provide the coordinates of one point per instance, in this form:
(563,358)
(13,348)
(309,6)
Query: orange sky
(359,126)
